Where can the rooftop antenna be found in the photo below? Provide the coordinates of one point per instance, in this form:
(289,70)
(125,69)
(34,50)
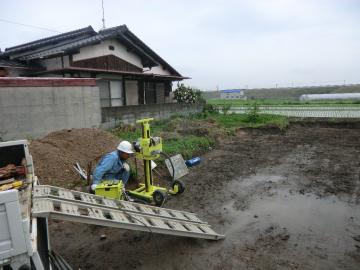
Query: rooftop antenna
(103,14)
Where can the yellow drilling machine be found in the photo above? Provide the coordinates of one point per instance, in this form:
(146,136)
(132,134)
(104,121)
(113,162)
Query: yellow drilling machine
(148,149)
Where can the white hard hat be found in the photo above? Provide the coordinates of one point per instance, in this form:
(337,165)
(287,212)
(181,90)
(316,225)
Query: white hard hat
(126,147)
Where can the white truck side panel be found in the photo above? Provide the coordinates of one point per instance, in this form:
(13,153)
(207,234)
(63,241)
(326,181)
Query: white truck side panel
(12,236)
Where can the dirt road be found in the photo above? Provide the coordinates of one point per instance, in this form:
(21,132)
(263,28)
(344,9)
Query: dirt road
(285,200)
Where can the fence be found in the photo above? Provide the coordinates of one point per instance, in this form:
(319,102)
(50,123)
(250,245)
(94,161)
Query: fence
(338,111)
(34,107)
(114,116)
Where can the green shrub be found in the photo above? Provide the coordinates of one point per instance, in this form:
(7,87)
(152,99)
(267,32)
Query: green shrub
(224,108)
(187,94)
(252,113)
(210,108)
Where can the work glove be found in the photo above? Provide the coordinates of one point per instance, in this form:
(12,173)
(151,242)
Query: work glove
(126,167)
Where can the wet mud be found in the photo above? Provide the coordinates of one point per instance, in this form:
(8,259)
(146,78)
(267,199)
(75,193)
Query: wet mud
(284,199)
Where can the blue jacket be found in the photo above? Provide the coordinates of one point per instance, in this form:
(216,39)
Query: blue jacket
(110,167)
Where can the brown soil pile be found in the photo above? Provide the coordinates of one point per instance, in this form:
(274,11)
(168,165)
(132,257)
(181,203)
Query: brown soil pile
(55,154)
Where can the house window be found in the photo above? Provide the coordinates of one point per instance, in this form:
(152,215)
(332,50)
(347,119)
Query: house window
(150,92)
(111,93)
(111,47)
(116,93)
(104,93)
(160,93)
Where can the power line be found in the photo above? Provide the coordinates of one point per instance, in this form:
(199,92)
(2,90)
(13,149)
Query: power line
(32,26)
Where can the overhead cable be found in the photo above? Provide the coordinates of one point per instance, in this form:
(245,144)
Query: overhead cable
(32,26)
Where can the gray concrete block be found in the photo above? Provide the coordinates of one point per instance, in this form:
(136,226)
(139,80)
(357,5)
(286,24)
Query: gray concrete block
(40,110)
(7,97)
(59,95)
(47,95)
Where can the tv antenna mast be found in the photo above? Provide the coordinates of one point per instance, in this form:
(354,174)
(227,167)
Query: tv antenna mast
(103,14)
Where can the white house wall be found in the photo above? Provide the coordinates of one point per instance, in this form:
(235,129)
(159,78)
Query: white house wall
(158,70)
(232,95)
(102,49)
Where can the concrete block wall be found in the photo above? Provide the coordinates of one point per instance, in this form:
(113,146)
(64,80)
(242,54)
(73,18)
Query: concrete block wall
(32,112)
(112,117)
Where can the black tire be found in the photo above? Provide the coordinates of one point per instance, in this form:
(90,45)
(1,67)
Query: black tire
(159,197)
(181,186)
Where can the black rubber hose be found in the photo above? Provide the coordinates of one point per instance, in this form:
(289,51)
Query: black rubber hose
(172,165)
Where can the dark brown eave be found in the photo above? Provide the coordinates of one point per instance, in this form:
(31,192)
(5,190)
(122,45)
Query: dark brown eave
(95,70)
(45,82)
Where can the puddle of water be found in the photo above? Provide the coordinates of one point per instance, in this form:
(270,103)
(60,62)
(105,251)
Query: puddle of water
(298,213)
(310,221)
(304,213)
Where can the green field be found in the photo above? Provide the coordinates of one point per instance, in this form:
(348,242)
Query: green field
(277,102)
(286,95)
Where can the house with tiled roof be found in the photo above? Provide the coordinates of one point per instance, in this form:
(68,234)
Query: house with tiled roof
(127,71)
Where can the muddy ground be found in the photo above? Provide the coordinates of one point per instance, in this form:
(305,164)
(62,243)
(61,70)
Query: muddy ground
(284,199)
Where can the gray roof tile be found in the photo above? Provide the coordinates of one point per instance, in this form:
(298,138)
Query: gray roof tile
(68,42)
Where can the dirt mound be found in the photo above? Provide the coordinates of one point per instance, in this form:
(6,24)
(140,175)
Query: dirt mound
(55,154)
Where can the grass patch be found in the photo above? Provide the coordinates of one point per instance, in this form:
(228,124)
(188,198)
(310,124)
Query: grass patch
(188,145)
(127,133)
(245,120)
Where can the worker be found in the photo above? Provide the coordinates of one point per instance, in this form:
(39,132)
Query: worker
(113,165)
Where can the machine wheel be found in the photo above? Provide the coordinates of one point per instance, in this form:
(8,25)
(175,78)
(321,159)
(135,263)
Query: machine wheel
(159,197)
(180,185)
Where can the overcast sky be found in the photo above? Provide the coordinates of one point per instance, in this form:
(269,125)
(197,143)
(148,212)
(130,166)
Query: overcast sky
(224,44)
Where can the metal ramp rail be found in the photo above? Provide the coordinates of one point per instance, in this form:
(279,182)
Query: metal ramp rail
(64,204)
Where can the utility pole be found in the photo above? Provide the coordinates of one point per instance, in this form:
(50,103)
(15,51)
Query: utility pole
(103,14)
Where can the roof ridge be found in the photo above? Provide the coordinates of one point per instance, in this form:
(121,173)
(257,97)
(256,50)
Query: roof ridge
(122,27)
(44,40)
(64,43)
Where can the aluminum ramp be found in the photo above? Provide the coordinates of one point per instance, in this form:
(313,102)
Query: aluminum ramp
(70,205)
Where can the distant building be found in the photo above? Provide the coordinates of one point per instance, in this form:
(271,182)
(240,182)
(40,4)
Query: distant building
(232,94)
(338,96)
